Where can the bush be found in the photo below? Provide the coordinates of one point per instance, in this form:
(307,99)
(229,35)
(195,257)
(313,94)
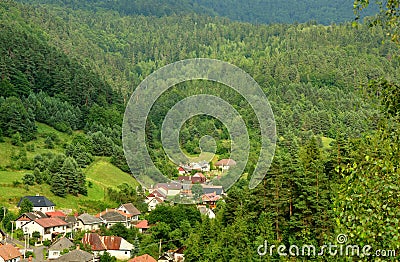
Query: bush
(28,179)
(16,139)
(16,183)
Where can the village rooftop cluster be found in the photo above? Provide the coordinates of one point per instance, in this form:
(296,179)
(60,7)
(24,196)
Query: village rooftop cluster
(59,228)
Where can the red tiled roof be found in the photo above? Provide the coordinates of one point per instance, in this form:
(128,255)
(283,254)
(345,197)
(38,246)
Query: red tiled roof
(143,258)
(142,224)
(23,219)
(55,214)
(51,222)
(8,252)
(210,197)
(156,193)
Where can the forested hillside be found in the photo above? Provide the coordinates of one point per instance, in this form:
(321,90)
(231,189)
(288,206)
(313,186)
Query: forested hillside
(336,167)
(254,11)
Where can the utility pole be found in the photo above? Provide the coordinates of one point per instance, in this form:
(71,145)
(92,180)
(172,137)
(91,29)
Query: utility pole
(159,250)
(12,229)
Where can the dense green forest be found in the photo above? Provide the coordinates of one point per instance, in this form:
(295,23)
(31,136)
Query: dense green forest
(333,90)
(254,11)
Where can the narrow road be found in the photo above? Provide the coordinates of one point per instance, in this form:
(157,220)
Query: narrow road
(38,251)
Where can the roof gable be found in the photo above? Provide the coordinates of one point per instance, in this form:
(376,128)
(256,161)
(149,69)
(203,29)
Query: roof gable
(76,255)
(8,252)
(130,208)
(61,244)
(143,258)
(142,224)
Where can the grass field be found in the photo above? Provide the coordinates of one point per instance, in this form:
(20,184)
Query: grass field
(101,173)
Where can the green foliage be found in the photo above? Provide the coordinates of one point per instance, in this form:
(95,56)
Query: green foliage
(8,221)
(389,17)
(16,139)
(366,202)
(49,144)
(26,206)
(267,11)
(69,179)
(28,179)
(120,230)
(197,190)
(106,257)
(36,235)
(16,121)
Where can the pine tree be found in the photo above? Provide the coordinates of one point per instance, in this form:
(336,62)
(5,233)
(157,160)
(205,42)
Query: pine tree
(58,185)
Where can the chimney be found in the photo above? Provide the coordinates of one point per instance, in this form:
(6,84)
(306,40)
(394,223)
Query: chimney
(78,247)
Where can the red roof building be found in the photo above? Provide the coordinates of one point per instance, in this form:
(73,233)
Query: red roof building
(55,214)
(142,226)
(9,253)
(143,258)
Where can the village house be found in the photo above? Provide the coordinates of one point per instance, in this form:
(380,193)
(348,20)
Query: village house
(204,210)
(47,227)
(115,246)
(143,226)
(86,222)
(173,255)
(143,258)
(153,202)
(208,189)
(76,255)
(28,217)
(202,166)
(196,178)
(130,209)
(170,189)
(58,247)
(182,170)
(157,193)
(111,217)
(9,253)
(210,199)
(40,203)
(225,164)
(71,223)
